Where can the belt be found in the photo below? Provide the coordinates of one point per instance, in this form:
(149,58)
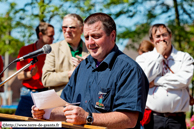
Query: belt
(38,90)
(177,114)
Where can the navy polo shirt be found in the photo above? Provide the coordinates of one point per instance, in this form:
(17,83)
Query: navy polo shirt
(117,84)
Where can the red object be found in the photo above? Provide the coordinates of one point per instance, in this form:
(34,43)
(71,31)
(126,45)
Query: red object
(1,66)
(35,81)
(1,69)
(146,117)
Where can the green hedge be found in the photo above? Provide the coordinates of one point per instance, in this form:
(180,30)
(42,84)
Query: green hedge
(7,111)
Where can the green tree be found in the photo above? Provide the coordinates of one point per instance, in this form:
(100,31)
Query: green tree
(18,24)
(178,16)
(7,41)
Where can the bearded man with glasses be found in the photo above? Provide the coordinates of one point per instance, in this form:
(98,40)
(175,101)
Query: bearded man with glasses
(65,55)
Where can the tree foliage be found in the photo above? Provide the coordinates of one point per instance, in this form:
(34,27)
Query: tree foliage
(7,41)
(18,24)
(177,14)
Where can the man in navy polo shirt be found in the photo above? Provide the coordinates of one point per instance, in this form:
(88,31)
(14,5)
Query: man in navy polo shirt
(110,86)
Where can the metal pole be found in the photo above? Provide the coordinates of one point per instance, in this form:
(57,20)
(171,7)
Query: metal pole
(16,73)
(6,75)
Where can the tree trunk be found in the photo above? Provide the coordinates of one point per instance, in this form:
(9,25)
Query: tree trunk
(177,22)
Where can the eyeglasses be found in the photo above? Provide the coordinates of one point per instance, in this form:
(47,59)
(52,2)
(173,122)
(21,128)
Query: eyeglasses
(163,35)
(70,27)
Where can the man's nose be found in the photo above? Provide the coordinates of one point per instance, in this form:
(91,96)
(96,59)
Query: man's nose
(162,37)
(68,29)
(91,41)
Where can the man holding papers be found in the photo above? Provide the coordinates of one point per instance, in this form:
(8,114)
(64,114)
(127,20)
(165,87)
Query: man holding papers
(108,84)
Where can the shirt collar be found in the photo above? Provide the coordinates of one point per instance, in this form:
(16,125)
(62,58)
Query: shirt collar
(110,58)
(173,53)
(79,46)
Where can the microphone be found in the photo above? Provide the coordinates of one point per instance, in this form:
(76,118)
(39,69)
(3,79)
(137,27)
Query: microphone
(44,50)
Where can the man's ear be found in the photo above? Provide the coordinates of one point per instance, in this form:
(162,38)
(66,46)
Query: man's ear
(113,35)
(170,35)
(81,29)
(40,34)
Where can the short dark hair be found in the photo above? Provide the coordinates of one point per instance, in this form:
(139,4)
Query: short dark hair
(155,27)
(42,27)
(107,21)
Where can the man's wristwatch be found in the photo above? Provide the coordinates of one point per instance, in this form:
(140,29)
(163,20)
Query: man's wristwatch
(89,119)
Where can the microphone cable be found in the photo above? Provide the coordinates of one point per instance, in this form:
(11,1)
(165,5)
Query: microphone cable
(7,67)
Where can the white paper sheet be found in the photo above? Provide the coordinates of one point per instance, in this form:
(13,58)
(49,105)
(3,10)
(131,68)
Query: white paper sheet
(47,100)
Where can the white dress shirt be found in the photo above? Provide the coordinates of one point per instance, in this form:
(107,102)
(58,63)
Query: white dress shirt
(170,92)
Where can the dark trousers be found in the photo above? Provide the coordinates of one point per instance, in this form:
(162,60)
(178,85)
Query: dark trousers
(26,102)
(161,122)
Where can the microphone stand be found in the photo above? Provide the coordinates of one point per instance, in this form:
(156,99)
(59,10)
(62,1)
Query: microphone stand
(16,73)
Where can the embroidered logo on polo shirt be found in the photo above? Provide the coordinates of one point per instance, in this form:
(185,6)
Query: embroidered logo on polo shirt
(99,104)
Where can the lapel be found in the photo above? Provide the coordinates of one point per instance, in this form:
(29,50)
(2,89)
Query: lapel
(65,51)
(85,50)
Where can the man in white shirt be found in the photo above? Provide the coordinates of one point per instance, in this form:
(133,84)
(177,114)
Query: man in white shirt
(169,73)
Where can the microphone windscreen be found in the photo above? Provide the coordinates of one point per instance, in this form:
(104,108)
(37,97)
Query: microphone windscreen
(47,49)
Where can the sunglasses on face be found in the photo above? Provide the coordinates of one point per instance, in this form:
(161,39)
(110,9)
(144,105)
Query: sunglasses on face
(70,27)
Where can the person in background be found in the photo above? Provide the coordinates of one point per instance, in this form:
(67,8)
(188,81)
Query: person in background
(1,76)
(110,86)
(31,77)
(145,46)
(169,72)
(66,55)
